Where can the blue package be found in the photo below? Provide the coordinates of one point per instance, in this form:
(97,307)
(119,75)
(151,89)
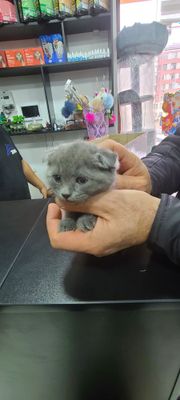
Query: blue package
(58,45)
(48,49)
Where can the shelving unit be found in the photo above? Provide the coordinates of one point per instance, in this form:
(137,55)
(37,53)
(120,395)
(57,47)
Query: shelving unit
(86,23)
(52,68)
(69,26)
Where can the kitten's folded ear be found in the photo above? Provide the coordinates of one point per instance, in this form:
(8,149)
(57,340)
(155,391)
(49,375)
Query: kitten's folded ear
(105,159)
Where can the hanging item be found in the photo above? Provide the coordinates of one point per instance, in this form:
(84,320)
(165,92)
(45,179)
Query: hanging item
(97,6)
(66,8)
(97,113)
(49,8)
(82,7)
(29,10)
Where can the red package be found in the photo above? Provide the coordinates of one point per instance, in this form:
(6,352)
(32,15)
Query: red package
(34,56)
(3,62)
(7,11)
(15,58)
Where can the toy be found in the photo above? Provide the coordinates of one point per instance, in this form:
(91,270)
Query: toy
(96,112)
(68,109)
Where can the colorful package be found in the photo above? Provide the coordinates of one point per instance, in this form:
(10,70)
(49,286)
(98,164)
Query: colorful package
(99,5)
(170,119)
(3,62)
(47,45)
(15,58)
(29,9)
(67,8)
(49,8)
(57,40)
(34,56)
(82,7)
(7,11)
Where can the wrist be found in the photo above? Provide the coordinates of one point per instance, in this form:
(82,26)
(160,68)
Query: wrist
(150,217)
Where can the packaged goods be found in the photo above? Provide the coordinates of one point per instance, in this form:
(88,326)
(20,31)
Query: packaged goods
(49,8)
(7,12)
(67,8)
(3,62)
(29,10)
(47,45)
(15,58)
(99,5)
(82,7)
(34,56)
(57,41)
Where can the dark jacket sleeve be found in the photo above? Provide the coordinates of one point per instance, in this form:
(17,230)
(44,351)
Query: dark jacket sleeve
(165,232)
(163,164)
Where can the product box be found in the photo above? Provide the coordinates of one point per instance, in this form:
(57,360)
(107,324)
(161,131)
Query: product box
(67,8)
(7,11)
(29,10)
(82,6)
(49,8)
(3,62)
(49,53)
(58,46)
(15,58)
(34,56)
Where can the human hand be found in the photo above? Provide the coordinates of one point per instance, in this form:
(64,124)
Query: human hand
(133,174)
(125,218)
(46,192)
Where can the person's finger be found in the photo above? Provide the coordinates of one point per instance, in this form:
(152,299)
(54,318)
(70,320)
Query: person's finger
(53,218)
(129,182)
(72,241)
(126,158)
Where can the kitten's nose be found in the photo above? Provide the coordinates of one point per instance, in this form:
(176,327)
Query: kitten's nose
(65,195)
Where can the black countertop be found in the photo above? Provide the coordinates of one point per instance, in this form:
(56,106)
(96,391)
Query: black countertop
(31,272)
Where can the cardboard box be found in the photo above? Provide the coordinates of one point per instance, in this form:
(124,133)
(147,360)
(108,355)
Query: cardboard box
(7,11)
(15,58)
(34,56)
(3,61)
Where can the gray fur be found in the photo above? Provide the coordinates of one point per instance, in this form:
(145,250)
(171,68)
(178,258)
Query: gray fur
(80,170)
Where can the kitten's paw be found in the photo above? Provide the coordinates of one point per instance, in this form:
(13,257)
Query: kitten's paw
(67,224)
(86,222)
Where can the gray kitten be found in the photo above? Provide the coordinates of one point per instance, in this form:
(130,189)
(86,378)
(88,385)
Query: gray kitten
(77,171)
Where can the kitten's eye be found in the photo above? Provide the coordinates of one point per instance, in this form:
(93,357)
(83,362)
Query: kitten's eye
(57,178)
(81,180)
